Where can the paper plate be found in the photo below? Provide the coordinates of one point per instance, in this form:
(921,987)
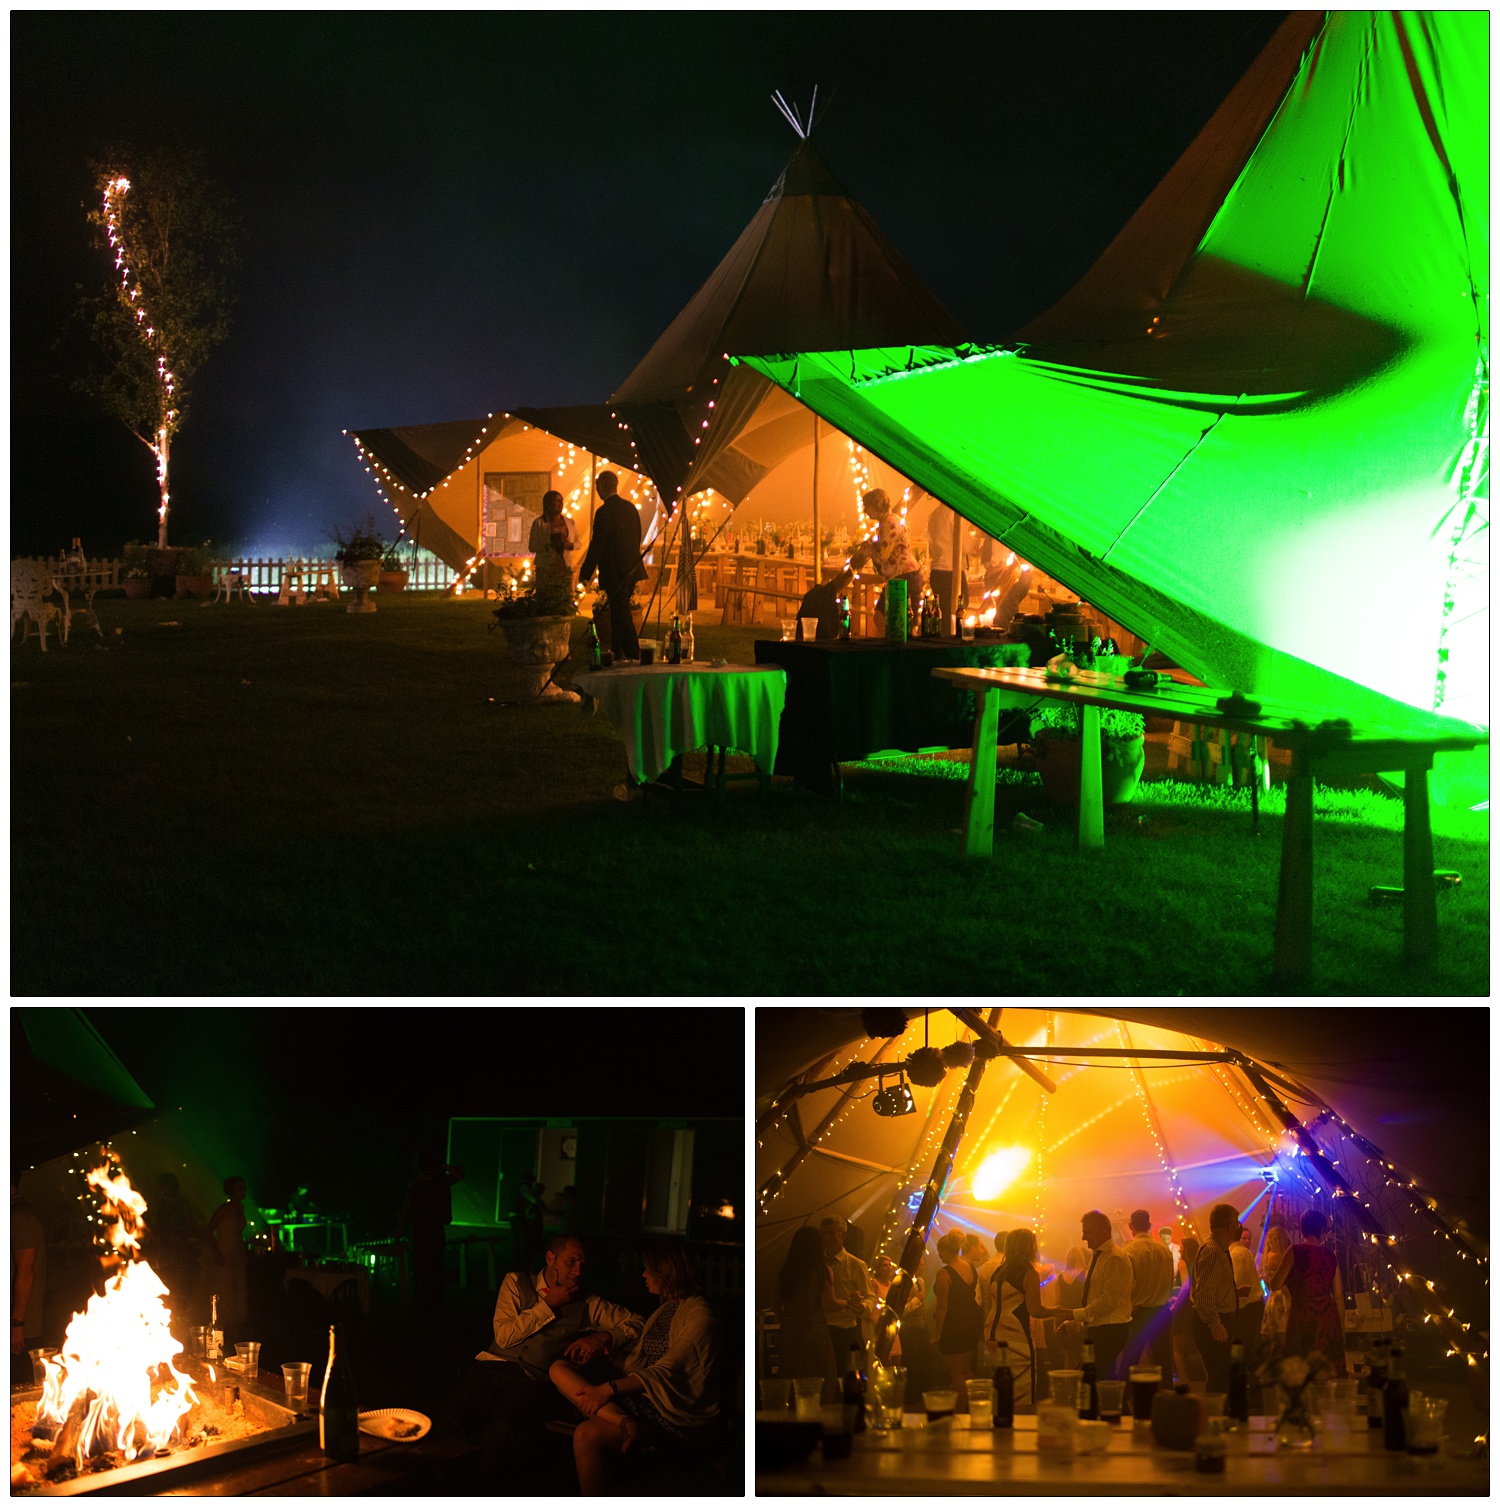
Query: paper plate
(384,1423)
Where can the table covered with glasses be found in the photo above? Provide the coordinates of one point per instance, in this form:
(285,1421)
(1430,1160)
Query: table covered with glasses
(950,1459)
(849,698)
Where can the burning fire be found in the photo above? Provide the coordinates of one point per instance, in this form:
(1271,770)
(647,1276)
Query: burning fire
(113,1385)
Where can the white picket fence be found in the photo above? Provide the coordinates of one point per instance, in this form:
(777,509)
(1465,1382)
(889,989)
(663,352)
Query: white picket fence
(262,576)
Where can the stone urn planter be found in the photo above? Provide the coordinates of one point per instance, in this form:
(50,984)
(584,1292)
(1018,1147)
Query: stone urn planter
(540,644)
(200,587)
(359,576)
(138,588)
(393,580)
(1060,759)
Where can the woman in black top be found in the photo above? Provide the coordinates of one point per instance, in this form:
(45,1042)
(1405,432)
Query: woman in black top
(959,1317)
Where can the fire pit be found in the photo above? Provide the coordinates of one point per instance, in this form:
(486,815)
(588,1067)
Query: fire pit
(114,1405)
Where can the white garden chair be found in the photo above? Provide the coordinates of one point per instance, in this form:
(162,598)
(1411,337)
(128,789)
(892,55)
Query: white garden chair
(30,590)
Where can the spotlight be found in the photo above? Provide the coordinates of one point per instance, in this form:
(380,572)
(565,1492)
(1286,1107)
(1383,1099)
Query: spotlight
(1268,1175)
(894,1101)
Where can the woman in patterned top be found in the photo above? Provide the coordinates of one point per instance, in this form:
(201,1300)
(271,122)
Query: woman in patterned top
(890,551)
(668,1392)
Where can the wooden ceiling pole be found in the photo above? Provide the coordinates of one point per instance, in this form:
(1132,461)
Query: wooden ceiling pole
(899,1295)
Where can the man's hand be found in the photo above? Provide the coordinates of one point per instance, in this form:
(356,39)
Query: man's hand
(17,1339)
(591,1399)
(588,1347)
(1220,1333)
(564,1292)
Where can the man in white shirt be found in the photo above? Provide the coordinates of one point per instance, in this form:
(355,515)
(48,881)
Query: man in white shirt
(1105,1313)
(1150,1299)
(1252,1297)
(505,1398)
(853,1292)
(986,1270)
(1164,1234)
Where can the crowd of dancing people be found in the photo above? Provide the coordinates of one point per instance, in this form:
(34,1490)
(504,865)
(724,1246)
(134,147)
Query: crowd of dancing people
(1137,1294)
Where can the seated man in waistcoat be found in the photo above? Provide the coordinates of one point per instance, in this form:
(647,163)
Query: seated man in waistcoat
(503,1401)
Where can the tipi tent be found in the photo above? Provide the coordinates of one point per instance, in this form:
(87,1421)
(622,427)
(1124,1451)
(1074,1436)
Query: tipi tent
(468,488)
(1171,1110)
(811,271)
(1257,432)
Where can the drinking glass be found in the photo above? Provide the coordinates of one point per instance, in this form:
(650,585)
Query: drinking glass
(775,1393)
(981,1392)
(648,651)
(809,1393)
(809,629)
(1066,1386)
(1111,1401)
(940,1403)
(1144,1382)
(1213,1404)
(294,1375)
(1424,1425)
(788,629)
(888,1389)
(199,1341)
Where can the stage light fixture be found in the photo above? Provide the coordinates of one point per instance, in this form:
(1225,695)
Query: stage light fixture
(893,1101)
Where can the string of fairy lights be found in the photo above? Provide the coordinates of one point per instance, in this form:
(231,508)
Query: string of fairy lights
(133,295)
(1148,1110)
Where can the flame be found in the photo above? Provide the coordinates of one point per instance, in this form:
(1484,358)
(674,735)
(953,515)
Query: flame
(115,1366)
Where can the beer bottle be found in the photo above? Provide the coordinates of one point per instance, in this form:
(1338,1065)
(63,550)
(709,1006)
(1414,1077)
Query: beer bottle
(674,642)
(1237,1399)
(595,652)
(854,1394)
(689,648)
(1395,1401)
(960,602)
(1088,1381)
(844,616)
(1005,1390)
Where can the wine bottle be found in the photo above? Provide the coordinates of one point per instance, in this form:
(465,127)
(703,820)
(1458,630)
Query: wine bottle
(1237,1398)
(338,1413)
(960,602)
(1088,1384)
(1395,1401)
(688,646)
(1005,1390)
(215,1334)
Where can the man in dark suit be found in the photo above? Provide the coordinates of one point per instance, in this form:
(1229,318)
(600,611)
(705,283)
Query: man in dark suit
(615,552)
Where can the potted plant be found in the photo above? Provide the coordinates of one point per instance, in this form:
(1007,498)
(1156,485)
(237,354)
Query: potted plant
(1056,729)
(359,556)
(195,572)
(137,582)
(538,627)
(395,571)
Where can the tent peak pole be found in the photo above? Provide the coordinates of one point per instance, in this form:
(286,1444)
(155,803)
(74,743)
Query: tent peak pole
(973,1020)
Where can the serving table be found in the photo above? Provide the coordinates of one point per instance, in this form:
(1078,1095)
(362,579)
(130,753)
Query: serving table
(663,711)
(849,698)
(1328,748)
(918,1461)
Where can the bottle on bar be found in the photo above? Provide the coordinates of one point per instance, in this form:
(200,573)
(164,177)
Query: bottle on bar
(338,1413)
(215,1333)
(595,652)
(1237,1398)
(674,641)
(960,602)
(1375,1385)
(1088,1385)
(688,646)
(844,631)
(1005,1390)
(1394,1402)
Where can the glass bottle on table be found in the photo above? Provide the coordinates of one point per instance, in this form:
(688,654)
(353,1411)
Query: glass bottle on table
(688,647)
(1088,1385)
(338,1413)
(215,1333)
(674,641)
(1237,1397)
(596,654)
(1396,1400)
(844,631)
(1375,1384)
(1005,1390)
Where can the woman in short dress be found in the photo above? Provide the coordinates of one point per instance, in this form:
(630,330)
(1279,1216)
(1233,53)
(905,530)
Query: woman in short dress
(959,1319)
(1184,1342)
(668,1393)
(1310,1273)
(1018,1300)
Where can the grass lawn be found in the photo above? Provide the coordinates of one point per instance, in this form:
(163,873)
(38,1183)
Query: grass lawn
(231,800)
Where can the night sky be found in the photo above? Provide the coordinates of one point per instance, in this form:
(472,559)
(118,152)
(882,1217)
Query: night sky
(450,214)
(341,1098)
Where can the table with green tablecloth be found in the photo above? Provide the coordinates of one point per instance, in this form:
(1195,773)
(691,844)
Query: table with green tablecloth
(849,698)
(664,711)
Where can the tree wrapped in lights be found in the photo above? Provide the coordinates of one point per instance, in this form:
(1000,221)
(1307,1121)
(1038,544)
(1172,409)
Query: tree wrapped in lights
(172,236)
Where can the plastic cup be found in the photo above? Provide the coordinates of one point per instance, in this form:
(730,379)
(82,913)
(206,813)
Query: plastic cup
(1213,1404)
(39,1358)
(788,629)
(198,1339)
(1424,1425)
(294,1375)
(648,651)
(1144,1384)
(940,1403)
(809,629)
(808,1391)
(981,1394)
(888,1393)
(248,1355)
(1111,1401)
(775,1393)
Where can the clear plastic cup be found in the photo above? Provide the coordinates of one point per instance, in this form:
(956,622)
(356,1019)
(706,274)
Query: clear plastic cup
(808,1391)
(775,1393)
(248,1356)
(1213,1404)
(294,1375)
(1111,1401)
(809,629)
(981,1394)
(788,629)
(1424,1425)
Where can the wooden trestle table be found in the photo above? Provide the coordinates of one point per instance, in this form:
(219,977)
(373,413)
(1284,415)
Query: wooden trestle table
(918,1461)
(1330,749)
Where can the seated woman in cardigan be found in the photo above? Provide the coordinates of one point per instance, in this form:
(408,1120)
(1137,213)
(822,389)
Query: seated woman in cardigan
(668,1393)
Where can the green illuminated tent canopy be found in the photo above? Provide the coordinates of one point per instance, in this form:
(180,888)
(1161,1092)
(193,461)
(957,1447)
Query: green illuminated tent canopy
(1256,432)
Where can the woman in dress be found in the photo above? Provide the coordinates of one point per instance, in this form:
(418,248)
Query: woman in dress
(1310,1274)
(889,552)
(668,1392)
(1018,1300)
(553,540)
(1066,1350)
(1184,1344)
(228,1258)
(959,1318)
(804,1291)
(1278,1305)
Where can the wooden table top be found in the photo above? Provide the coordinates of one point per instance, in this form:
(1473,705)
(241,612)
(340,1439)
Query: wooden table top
(918,1461)
(1284,722)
